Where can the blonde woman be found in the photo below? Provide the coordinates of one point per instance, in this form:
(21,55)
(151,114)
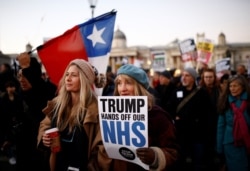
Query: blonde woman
(75,113)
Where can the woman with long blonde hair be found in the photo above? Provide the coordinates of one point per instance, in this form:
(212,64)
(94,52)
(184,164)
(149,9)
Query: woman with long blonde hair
(74,112)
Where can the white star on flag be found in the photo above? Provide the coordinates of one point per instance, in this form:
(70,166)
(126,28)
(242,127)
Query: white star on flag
(95,37)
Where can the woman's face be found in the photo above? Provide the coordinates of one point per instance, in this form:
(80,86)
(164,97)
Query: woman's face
(11,89)
(72,79)
(209,78)
(235,88)
(125,86)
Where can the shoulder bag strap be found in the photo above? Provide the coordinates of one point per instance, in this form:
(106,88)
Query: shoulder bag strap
(187,98)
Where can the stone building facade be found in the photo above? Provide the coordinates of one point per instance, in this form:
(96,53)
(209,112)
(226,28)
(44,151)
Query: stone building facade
(141,56)
(120,52)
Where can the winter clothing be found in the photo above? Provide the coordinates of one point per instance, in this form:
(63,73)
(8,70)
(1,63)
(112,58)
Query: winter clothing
(192,72)
(161,139)
(90,72)
(92,130)
(192,124)
(240,131)
(166,74)
(136,73)
(33,73)
(236,156)
(165,92)
(35,100)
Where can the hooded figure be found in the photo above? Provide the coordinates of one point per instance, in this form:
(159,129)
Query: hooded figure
(35,94)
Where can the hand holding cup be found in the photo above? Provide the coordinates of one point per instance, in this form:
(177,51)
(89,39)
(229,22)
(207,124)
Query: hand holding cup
(51,139)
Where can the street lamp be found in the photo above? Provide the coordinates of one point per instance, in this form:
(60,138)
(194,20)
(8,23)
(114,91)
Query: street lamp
(92,4)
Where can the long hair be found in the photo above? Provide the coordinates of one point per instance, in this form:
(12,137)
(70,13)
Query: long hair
(139,89)
(67,113)
(202,82)
(223,102)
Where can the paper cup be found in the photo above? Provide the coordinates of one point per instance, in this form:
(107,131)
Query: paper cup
(55,137)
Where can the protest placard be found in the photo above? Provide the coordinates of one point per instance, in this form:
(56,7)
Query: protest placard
(222,66)
(204,51)
(188,52)
(124,126)
(158,61)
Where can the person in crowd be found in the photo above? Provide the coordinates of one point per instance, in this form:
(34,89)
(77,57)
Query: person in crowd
(201,67)
(163,149)
(241,70)
(190,107)
(152,90)
(51,86)
(155,79)
(223,81)
(12,112)
(210,83)
(6,75)
(75,113)
(177,81)
(233,133)
(35,94)
(165,88)
(108,89)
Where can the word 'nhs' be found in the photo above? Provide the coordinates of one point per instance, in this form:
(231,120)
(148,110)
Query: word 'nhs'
(113,131)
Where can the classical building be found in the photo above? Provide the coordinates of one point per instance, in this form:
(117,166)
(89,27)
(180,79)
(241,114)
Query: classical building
(121,53)
(238,52)
(141,55)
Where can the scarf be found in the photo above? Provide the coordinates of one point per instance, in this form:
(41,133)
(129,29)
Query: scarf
(240,130)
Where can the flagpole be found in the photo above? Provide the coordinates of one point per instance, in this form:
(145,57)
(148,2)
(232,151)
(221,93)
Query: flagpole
(92,4)
(31,51)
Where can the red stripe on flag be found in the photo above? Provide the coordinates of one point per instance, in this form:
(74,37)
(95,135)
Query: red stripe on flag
(58,52)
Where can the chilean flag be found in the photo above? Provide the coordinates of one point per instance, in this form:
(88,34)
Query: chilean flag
(90,41)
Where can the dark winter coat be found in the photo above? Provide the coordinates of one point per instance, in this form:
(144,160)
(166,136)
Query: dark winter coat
(193,124)
(162,136)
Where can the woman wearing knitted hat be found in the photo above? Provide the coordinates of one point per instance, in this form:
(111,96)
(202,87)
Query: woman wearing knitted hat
(75,113)
(162,151)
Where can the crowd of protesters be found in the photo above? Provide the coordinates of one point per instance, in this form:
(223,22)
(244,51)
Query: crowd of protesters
(209,128)
(21,113)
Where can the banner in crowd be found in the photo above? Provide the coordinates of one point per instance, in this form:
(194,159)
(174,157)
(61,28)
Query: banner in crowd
(124,126)
(90,41)
(204,51)
(222,66)
(188,52)
(158,61)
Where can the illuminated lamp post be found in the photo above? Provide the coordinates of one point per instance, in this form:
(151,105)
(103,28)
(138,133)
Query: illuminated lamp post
(92,4)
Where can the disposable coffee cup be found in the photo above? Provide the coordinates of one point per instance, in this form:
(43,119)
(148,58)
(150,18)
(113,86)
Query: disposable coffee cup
(55,138)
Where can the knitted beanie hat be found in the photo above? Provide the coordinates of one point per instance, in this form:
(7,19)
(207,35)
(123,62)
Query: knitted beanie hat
(90,72)
(136,73)
(192,72)
(166,74)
